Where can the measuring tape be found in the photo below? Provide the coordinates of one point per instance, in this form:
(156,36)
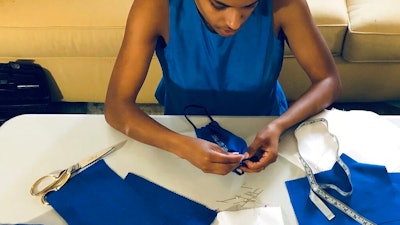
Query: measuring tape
(317,191)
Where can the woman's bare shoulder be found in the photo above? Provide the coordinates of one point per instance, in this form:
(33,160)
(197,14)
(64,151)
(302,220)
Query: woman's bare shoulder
(289,10)
(150,15)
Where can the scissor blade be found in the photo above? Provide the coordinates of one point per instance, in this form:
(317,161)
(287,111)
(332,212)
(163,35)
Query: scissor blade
(76,168)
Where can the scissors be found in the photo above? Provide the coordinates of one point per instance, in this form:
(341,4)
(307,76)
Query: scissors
(56,179)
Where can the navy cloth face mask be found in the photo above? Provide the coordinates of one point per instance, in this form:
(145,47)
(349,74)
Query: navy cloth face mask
(214,133)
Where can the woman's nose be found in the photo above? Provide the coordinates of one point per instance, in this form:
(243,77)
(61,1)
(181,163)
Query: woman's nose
(234,19)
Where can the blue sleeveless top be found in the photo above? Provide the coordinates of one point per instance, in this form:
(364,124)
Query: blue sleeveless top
(234,75)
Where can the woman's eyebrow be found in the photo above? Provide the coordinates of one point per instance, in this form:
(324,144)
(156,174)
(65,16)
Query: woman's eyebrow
(226,5)
(251,4)
(220,3)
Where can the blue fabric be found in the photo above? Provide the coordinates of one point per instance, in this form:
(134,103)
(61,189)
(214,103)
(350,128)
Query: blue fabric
(234,75)
(376,195)
(178,209)
(99,196)
(214,133)
(395,178)
(228,141)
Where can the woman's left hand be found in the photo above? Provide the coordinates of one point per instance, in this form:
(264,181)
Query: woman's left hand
(263,150)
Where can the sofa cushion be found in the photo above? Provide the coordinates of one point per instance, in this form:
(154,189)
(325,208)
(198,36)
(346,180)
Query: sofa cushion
(48,28)
(332,22)
(374,31)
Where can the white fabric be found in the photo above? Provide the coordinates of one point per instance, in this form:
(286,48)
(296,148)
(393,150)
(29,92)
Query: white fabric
(316,145)
(255,216)
(364,136)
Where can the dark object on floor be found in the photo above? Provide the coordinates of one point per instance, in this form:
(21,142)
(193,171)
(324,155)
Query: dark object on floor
(23,89)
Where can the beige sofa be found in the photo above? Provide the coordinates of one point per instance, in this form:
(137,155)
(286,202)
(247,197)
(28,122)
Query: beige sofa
(77,41)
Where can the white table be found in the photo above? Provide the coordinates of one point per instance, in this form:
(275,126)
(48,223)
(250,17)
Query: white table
(34,145)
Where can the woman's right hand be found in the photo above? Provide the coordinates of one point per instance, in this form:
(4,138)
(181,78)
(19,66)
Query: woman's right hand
(209,157)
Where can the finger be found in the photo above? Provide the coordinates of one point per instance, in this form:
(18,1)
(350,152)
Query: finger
(218,155)
(225,163)
(254,147)
(220,168)
(226,158)
(247,170)
(252,167)
(257,166)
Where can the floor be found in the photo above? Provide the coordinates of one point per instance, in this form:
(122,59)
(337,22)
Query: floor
(382,108)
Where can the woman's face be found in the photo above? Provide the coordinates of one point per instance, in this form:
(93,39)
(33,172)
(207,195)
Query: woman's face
(225,17)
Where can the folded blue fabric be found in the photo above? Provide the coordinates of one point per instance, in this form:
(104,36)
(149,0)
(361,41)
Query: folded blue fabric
(178,209)
(376,195)
(99,196)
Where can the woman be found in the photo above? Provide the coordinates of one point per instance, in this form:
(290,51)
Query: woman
(225,55)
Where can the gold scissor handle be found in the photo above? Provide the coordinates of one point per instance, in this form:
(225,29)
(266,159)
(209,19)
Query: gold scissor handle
(59,178)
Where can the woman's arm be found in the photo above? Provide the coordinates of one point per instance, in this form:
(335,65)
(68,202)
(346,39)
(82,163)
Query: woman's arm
(142,30)
(314,56)
(294,19)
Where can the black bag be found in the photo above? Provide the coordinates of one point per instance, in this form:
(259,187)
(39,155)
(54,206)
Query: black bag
(24,88)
